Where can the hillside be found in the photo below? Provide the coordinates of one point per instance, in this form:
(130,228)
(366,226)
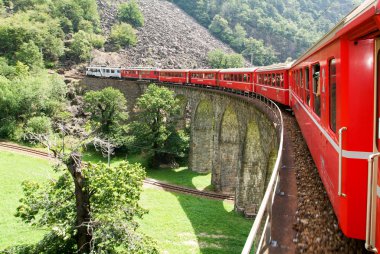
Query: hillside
(270,31)
(169,39)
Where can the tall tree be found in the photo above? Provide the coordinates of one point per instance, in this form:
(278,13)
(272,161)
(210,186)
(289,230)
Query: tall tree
(156,128)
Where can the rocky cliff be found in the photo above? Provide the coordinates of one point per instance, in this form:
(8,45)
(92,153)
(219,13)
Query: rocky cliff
(169,39)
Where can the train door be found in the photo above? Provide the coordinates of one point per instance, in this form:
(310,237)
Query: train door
(373,197)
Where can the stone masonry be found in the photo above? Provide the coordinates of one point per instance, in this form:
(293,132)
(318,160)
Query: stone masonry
(230,137)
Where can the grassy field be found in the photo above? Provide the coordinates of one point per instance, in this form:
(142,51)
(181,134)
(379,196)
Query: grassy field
(179,176)
(186,224)
(179,223)
(15,168)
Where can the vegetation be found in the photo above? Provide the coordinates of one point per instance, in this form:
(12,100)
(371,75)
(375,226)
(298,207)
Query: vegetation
(23,168)
(39,28)
(155,129)
(268,31)
(108,113)
(123,35)
(130,13)
(220,60)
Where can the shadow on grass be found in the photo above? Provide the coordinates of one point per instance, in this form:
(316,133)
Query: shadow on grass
(217,228)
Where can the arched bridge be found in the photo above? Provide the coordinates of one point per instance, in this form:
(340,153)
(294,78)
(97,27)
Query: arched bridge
(231,137)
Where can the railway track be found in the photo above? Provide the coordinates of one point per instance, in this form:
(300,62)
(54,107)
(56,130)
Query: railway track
(148,181)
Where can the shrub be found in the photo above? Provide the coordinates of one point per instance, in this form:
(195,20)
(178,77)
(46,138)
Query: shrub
(130,13)
(30,55)
(38,125)
(123,35)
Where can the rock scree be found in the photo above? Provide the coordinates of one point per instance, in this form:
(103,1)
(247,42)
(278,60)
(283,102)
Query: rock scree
(169,38)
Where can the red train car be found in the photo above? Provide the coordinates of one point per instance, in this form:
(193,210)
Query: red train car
(175,76)
(272,82)
(140,73)
(207,77)
(237,79)
(335,96)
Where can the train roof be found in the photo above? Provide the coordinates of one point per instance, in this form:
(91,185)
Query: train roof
(275,67)
(353,21)
(204,70)
(141,68)
(238,70)
(103,67)
(174,70)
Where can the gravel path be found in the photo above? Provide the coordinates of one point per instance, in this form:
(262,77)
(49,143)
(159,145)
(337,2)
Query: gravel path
(315,224)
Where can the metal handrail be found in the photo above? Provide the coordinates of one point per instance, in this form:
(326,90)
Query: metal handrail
(268,196)
(340,162)
(371,205)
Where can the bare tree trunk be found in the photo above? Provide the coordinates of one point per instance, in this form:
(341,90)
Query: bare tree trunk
(82,198)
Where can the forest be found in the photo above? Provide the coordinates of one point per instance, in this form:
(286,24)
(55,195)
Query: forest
(268,31)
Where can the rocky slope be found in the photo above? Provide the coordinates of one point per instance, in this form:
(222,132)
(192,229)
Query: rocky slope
(169,39)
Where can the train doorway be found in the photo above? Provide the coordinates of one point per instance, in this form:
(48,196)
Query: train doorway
(373,198)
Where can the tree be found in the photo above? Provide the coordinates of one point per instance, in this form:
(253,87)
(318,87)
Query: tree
(130,13)
(260,54)
(123,35)
(219,27)
(30,55)
(107,109)
(90,209)
(155,130)
(81,47)
(218,59)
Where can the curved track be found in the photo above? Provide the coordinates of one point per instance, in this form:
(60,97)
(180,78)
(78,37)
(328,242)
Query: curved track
(148,181)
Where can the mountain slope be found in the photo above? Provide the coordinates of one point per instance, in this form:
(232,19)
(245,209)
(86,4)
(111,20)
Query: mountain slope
(169,39)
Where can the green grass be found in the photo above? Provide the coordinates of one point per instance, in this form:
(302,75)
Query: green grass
(14,169)
(179,176)
(186,224)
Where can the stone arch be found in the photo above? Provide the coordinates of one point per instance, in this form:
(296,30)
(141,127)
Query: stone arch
(202,137)
(184,115)
(252,176)
(229,150)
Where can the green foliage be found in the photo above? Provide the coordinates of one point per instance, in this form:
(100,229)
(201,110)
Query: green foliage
(130,13)
(220,60)
(155,129)
(83,43)
(123,35)
(289,27)
(39,125)
(115,194)
(107,109)
(40,94)
(30,55)
(260,54)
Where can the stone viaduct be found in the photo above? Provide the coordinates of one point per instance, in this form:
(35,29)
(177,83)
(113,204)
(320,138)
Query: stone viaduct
(231,137)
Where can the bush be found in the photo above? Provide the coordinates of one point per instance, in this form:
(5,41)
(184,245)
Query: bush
(39,125)
(218,59)
(81,47)
(130,13)
(123,35)
(30,55)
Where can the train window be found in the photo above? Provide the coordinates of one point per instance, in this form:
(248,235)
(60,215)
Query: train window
(332,92)
(317,89)
(112,71)
(278,80)
(307,85)
(282,79)
(260,78)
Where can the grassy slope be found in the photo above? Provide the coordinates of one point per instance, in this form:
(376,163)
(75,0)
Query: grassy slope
(179,223)
(179,176)
(15,168)
(185,224)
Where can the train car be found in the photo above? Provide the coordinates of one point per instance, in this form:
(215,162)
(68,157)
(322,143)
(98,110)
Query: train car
(140,73)
(237,79)
(175,76)
(103,72)
(207,77)
(335,95)
(272,82)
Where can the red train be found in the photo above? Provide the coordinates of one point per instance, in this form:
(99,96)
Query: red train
(334,92)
